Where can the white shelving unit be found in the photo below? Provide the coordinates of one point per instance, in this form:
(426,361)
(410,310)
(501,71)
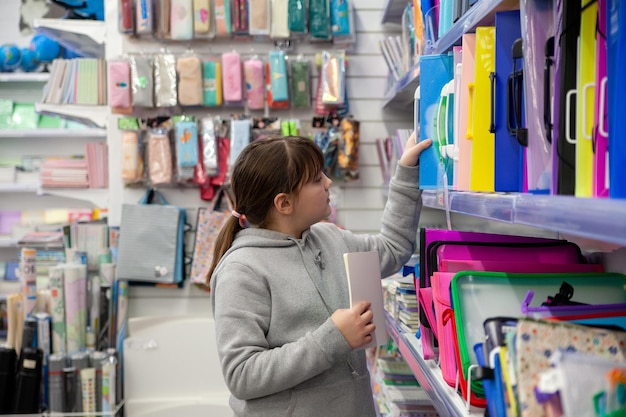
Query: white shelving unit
(95,116)
(27,77)
(87,37)
(53,133)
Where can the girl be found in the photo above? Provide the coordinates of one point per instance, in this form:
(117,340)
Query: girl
(287,341)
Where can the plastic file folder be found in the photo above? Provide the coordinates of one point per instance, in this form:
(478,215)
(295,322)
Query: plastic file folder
(458,72)
(537,17)
(585,98)
(601,126)
(464,131)
(482,170)
(566,52)
(509,153)
(436,71)
(616,48)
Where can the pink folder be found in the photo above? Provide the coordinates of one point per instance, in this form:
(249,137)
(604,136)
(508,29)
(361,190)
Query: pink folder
(464,136)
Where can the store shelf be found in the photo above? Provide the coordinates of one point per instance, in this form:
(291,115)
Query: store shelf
(53,133)
(480,14)
(85,37)
(95,116)
(392,13)
(19,188)
(8,242)
(594,218)
(444,398)
(400,95)
(99,197)
(27,77)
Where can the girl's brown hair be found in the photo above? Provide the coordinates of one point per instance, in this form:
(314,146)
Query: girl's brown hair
(265,168)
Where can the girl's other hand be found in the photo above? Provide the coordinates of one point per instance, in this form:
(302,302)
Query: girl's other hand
(355,324)
(412,150)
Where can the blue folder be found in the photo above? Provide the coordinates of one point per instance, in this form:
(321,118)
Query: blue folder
(436,71)
(616,62)
(509,155)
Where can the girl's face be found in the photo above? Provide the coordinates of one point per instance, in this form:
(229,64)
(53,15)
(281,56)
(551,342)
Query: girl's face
(313,202)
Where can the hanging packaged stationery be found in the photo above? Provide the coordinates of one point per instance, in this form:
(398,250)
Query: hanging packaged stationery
(142,81)
(616,62)
(566,55)
(536,337)
(271,102)
(181,25)
(585,98)
(165,92)
(509,153)
(212,83)
(333,77)
(483,150)
(186,142)
(125,22)
(537,18)
(232,77)
(159,157)
(255,83)
(436,72)
(189,69)
(239,138)
(297,15)
(118,76)
(319,20)
(465,117)
(223,23)
(348,155)
(208,225)
(151,244)
(240,15)
(278,75)
(601,124)
(341,21)
(202,19)
(263,127)
(259,11)
(300,83)
(163,19)
(144,17)
(208,143)
(132,155)
(279,19)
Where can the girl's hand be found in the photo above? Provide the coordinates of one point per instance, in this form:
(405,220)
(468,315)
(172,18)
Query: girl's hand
(355,324)
(412,150)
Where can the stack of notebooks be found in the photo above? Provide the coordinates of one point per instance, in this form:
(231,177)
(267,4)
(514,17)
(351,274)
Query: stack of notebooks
(76,81)
(401,303)
(64,173)
(97,164)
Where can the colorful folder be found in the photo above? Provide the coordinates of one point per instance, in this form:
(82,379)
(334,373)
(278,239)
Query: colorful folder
(601,127)
(465,133)
(509,141)
(483,150)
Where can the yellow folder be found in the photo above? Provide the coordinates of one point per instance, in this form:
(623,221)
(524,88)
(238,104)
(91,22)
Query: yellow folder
(585,98)
(483,148)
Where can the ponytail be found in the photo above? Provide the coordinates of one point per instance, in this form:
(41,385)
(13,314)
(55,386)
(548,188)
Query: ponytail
(223,242)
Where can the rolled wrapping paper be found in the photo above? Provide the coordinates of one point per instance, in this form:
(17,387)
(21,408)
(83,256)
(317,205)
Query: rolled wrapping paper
(75,285)
(107,273)
(255,85)
(57,308)
(56,391)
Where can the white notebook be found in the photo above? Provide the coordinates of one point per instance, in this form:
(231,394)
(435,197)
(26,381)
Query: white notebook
(364,283)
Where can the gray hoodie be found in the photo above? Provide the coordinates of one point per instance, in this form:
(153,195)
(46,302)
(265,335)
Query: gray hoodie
(272,297)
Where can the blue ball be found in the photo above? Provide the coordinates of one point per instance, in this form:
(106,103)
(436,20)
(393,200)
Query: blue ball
(9,57)
(29,62)
(46,49)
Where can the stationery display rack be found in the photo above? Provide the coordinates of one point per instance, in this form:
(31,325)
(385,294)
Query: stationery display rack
(598,219)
